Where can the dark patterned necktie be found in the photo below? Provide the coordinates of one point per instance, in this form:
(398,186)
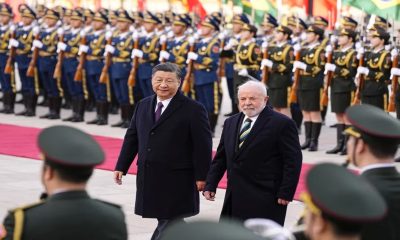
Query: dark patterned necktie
(158,111)
(244,132)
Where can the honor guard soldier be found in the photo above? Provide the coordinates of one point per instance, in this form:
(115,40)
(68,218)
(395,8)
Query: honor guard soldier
(7,80)
(68,212)
(339,204)
(89,14)
(373,142)
(376,70)
(46,62)
(348,23)
(248,57)
(228,53)
(94,63)
(311,67)
(177,46)
(121,48)
(23,43)
(138,21)
(298,27)
(280,65)
(344,68)
(206,59)
(70,47)
(112,17)
(322,23)
(40,12)
(268,27)
(149,48)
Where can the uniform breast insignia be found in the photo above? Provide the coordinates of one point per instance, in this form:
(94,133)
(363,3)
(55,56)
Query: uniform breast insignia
(311,55)
(178,47)
(203,48)
(147,44)
(47,37)
(24,36)
(121,43)
(279,53)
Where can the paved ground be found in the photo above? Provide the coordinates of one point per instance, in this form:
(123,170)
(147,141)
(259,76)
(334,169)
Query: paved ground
(20,177)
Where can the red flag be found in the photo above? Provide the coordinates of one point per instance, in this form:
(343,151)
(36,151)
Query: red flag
(326,9)
(196,7)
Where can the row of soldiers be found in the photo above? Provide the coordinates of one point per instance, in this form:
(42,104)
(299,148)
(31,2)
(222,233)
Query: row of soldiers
(110,55)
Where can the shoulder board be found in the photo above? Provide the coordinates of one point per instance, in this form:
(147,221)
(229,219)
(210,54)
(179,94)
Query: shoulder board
(29,206)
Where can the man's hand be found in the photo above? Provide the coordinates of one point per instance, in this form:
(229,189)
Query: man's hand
(283,201)
(200,185)
(118,177)
(210,196)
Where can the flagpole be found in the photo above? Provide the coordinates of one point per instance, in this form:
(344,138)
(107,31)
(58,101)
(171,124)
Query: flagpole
(338,10)
(278,13)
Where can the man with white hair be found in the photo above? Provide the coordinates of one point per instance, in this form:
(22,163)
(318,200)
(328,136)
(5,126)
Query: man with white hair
(260,151)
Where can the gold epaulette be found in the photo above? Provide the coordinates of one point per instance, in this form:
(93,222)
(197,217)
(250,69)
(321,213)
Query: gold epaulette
(19,218)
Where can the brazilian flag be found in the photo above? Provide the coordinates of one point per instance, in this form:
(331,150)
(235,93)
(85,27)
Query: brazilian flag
(257,8)
(389,9)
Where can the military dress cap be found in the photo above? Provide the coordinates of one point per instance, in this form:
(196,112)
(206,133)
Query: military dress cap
(348,21)
(68,12)
(88,13)
(210,22)
(370,122)
(26,11)
(201,230)
(169,16)
(6,10)
(138,16)
(339,194)
(296,22)
(382,34)
(382,22)
(151,18)
(75,149)
(182,20)
(100,17)
(53,14)
(218,16)
(105,11)
(161,16)
(240,19)
(269,20)
(60,9)
(41,8)
(347,32)
(124,16)
(77,15)
(284,29)
(112,14)
(249,27)
(316,30)
(319,20)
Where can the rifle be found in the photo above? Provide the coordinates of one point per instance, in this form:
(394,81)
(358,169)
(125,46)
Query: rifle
(329,76)
(32,64)
(82,58)
(163,40)
(264,74)
(60,58)
(395,79)
(107,63)
(10,61)
(186,80)
(221,70)
(361,78)
(296,78)
(135,62)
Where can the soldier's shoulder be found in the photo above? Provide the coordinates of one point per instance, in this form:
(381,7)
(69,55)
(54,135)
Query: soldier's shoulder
(108,204)
(27,207)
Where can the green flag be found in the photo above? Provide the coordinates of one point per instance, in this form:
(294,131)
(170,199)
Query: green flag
(257,8)
(383,8)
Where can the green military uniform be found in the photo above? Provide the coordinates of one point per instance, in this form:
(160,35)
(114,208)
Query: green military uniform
(375,91)
(349,202)
(280,76)
(374,126)
(248,57)
(67,214)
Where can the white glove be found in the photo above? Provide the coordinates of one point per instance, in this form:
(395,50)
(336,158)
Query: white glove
(35,30)
(388,47)
(329,67)
(362,70)
(61,46)
(221,36)
(243,72)
(82,33)
(395,72)
(108,35)
(12,28)
(333,39)
(60,31)
(135,35)
(191,40)
(358,45)
(266,63)
(164,55)
(264,45)
(360,52)
(163,39)
(170,34)
(109,49)
(328,48)
(37,44)
(394,53)
(296,47)
(137,53)
(83,49)
(299,65)
(192,56)
(13,43)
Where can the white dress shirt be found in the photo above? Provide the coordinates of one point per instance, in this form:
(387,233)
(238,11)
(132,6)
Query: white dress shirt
(377,165)
(165,104)
(253,120)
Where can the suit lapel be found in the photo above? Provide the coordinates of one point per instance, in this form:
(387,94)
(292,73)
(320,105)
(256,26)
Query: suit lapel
(151,113)
(175,103)
(262,119)
(238,125)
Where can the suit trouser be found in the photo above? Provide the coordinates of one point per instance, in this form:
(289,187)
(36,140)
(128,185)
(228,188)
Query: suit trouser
(161,226)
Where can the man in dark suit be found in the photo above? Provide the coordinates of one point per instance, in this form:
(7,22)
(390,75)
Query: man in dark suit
(372,145)
(172,137)
(260,150)
(68,212)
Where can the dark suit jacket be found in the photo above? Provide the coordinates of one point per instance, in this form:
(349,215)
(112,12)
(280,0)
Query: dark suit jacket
(387,182)
(265,168)
(68,215)
(173,153)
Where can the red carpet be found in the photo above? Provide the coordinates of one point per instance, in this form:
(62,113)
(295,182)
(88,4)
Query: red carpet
(21,142)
